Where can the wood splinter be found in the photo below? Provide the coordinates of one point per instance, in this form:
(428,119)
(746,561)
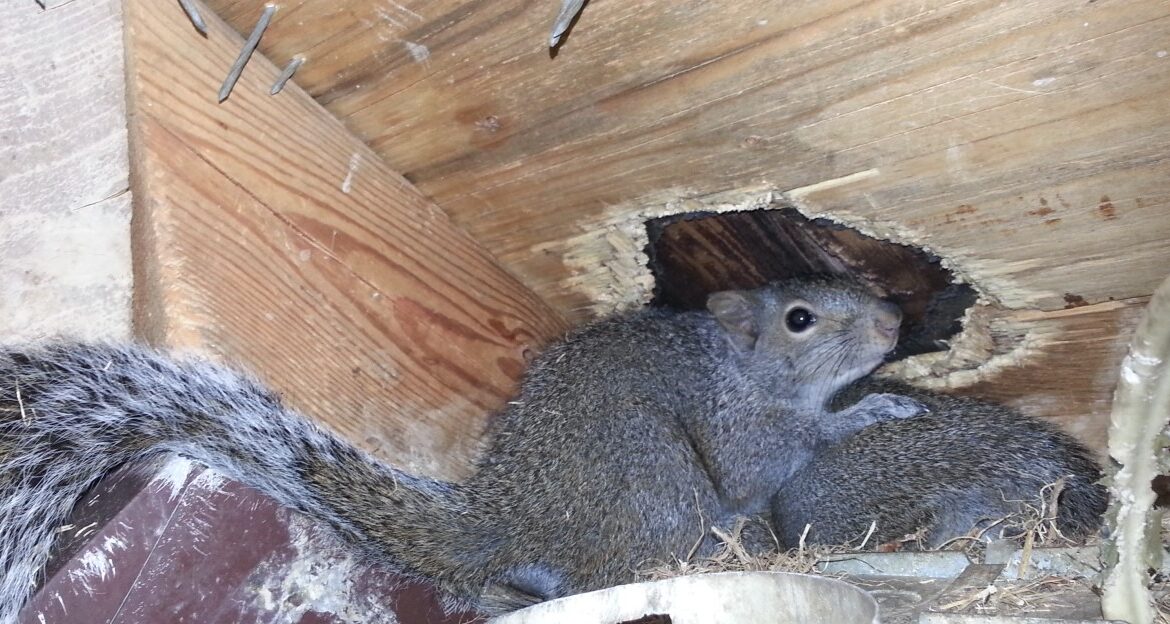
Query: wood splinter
(193,14)
(246,52)
(287,73)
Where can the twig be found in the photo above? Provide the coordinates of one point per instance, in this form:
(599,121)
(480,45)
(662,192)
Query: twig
(963,603)
(732,541)
(868,534)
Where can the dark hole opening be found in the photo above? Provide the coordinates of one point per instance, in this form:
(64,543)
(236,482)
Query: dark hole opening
(695,254)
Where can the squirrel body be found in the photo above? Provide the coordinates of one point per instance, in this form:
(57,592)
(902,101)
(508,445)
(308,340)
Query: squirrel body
(962,466)
(624,440)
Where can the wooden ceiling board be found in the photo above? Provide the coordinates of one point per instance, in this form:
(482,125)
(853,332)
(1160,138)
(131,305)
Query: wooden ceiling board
(1033,114)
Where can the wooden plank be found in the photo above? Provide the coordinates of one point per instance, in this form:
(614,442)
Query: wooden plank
(266,234)
(1023,143)
(1047,120)
(192,546)
(64,205)
(1060,365)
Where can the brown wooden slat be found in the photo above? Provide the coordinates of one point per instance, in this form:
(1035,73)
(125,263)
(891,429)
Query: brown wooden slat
(268,235)
(1023,141)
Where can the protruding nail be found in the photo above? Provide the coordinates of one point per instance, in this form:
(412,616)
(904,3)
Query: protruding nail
(193,14)
(569,10)
(246,52)
(287,73)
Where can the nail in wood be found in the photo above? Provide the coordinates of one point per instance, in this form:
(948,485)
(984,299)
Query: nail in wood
(287,74)
(569,10)
(193,14)
(246,52)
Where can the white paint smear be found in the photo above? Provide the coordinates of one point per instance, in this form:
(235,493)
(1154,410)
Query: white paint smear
(173,475)
(418,51)
(347,183)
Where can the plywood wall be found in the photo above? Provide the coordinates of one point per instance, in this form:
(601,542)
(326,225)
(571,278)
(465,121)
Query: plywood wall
(1023,142)
(982,128)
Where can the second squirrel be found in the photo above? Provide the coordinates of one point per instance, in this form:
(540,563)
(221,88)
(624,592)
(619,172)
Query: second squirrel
(964,466)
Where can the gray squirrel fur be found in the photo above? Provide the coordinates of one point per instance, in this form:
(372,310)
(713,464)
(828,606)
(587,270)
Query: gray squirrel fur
(964,464)
(625,440)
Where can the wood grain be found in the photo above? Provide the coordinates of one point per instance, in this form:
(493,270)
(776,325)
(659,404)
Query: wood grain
(1049,121)
(267,235)
(1024,143)
(64,205)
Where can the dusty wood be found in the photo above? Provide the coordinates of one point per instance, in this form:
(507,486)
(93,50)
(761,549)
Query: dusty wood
(64,209)
(268,235)
(1024,140)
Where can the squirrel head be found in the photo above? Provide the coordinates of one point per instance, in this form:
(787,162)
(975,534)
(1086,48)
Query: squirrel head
(806,338)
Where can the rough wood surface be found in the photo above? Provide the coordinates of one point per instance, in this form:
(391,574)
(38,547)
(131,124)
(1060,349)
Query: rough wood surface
(1024,143)
(1025,140)
(1060,365)
(64,205)
(268,235)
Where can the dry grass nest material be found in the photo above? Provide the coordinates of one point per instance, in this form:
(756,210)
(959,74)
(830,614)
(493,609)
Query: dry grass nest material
(734,556)
(1033,526)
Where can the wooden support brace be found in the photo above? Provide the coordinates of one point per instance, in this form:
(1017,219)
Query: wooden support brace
(266,234)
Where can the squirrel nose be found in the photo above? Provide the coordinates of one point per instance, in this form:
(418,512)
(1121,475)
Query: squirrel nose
(888,321)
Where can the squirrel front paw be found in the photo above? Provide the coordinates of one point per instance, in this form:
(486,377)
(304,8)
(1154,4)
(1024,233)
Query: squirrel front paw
(884,406)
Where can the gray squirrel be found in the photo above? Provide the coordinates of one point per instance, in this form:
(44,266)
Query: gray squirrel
(963,465)
(626,439)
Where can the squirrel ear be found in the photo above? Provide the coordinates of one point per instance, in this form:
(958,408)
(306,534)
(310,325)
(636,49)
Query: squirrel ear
(736,312)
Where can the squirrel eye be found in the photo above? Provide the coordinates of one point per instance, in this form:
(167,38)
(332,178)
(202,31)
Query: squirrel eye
(799,319)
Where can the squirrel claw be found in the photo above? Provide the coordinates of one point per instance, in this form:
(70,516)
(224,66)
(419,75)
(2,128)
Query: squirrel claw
(888,406)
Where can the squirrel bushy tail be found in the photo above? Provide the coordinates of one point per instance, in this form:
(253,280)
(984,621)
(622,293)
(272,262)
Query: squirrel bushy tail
(70,414)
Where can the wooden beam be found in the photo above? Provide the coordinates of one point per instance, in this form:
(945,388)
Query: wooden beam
(266,234)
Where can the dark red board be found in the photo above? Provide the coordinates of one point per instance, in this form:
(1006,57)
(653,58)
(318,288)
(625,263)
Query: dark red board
(191,546)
